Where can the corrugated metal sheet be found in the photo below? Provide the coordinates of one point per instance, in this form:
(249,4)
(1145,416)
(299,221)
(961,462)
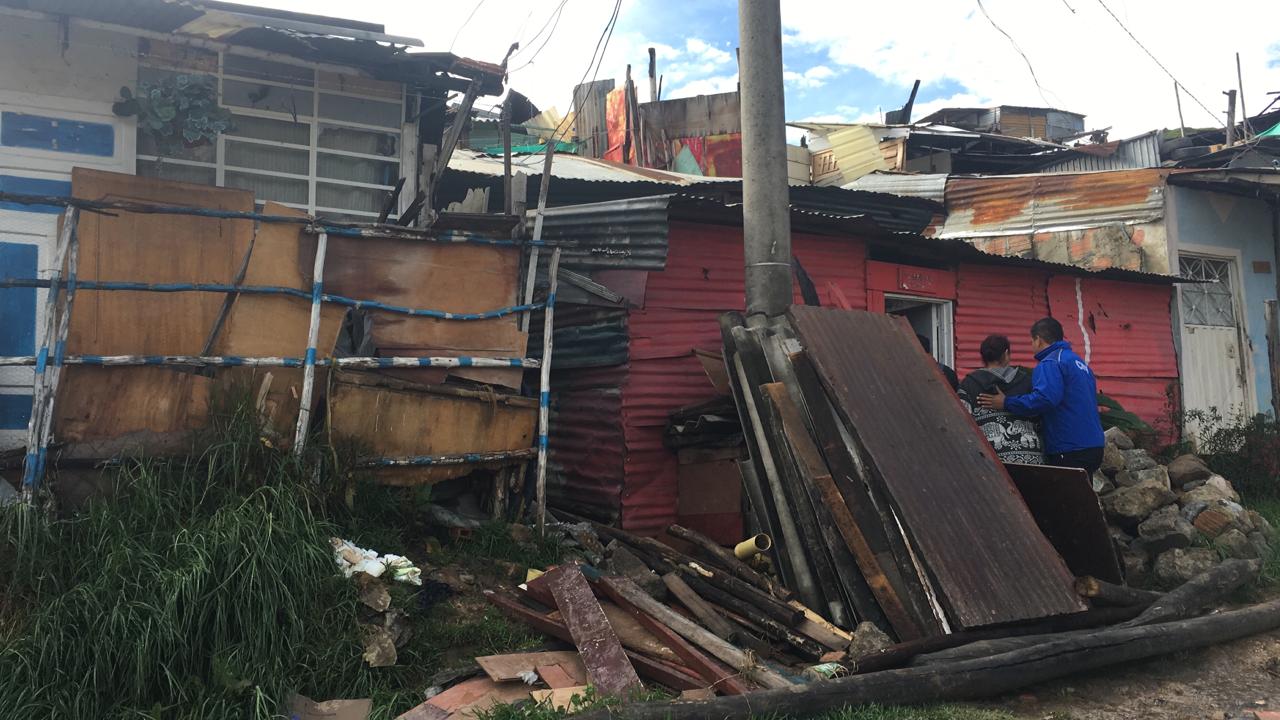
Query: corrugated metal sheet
(927,186)
(1129,328)
(1152,399)
(856,151)
(997,301)
(572,167)
(590,123)
(584,337)
(1142,151)
(615,234)
(586,451)
(1020,204)
(961,511)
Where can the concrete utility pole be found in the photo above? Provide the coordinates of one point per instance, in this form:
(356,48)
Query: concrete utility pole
(1231,116)
(766,213)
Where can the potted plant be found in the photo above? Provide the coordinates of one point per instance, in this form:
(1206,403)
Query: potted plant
(177,109)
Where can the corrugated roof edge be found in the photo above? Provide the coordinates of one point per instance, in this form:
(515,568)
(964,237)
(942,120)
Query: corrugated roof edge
(584,221)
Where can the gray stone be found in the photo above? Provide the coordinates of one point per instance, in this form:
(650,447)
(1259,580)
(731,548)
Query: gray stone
(1262,525)
(1191,511)
(1136,460)
(1136,564)
(1112,460)
(1119,438)
(1165,530)
(1124,478)
(1156,475)
(1235,544)
(1192,485)
(1102,484)
(1131,505)
(867,638)
(1221,484)
(1260,544)
(1188,469)
(1206,494)
(1181,564)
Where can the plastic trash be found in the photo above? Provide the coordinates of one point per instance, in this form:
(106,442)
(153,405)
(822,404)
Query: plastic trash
(352,559)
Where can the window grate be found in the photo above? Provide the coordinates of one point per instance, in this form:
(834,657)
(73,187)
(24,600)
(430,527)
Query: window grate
(1209,300)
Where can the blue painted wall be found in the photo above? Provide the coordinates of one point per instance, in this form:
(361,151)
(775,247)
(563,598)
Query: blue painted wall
(1236,223)
(17,324)
(33,186)
(40,132)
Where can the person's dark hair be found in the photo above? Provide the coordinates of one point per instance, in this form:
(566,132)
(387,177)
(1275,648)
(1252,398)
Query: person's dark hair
(924,343)
(1047,329)
(994,348)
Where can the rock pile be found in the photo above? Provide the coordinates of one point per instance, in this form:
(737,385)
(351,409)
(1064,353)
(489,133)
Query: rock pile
(1172,522)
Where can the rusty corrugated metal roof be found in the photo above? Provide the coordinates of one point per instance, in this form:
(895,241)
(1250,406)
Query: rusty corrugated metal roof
(931,186)
(960,510)
(1024,204)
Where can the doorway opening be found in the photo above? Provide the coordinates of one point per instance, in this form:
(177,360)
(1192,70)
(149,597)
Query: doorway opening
(931,319)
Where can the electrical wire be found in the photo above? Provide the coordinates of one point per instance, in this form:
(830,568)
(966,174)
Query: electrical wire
(552,20)
(1160,64)
(597,58)
(1014,43)
(466,22)
(558,13)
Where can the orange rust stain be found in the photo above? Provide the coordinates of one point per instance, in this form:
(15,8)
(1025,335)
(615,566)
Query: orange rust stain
(994,201)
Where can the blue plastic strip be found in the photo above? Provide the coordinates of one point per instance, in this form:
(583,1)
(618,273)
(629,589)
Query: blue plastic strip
(19,185)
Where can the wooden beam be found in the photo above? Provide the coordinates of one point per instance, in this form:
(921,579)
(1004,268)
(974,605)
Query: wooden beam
(602,653)
(696,605)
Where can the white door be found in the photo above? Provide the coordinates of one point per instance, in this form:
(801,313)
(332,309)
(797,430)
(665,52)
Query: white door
(1215,368)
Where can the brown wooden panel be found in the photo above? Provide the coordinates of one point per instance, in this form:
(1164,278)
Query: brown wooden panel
(1066,508)
(956,502)
(607,665)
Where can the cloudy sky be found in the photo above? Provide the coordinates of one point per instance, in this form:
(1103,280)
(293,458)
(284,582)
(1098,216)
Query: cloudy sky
(851,60)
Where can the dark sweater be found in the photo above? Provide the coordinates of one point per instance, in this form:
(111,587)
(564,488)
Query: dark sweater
(1015,439)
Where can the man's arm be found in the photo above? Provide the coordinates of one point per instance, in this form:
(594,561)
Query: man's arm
(1046,392)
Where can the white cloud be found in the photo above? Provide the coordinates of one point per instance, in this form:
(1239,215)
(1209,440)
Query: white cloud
(814,77)
(706,86)
(1084,60)
(701,50)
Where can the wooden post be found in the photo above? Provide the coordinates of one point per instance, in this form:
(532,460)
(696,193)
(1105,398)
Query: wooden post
(426,174)
(653,73)
(505,124)
(1177,98)
(519,201)
(1244,114)
(1231,117)
(450,140)
(32,465)
(543,188)
(544,388)
(313,335)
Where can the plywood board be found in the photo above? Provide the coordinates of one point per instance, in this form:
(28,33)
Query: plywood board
(402,421)
(451,277)
(562,699)
(514,665)
(129,409)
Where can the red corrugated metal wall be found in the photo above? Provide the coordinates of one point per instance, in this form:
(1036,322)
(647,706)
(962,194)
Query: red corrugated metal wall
(1130,339)
(997,300)
(703,278)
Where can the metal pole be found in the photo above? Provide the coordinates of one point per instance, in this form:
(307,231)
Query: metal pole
(544,388)
(313,336)
(1244,114)
(653,74)
(506,155)
(766,218)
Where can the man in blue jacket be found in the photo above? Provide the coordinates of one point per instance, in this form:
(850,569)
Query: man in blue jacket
(1064,394)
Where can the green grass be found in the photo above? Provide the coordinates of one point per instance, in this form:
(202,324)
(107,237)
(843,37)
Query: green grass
(205,588)
(1270,509)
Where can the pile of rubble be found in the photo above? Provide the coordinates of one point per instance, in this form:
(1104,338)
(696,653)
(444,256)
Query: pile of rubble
(1172,522)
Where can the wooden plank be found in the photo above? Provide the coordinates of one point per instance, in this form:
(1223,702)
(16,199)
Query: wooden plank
(877,546)
(607,664)
(503,668)
(812,475)
(468,699)
(668,674)
(563,675)
(733,656)
(564,699)
(956,502)
(818,628)
(403,421)
(696,605)
(716,675)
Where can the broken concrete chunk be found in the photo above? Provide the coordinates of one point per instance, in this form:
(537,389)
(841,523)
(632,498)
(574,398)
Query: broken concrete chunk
(1102,484)
(867,638)
(1124,478)
(1206,494)
(1117,437)
(1235,544)
(1131,505)
(379,646)
(1112,460)
(373,593)
(1166,529)
(1135,460)
(1180,565)
(1186,469)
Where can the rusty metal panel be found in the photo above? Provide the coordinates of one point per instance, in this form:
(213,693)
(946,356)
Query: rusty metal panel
(1067,510)
(1121,329)
(997,301)
(586,451)
(1022,204)
(955,501)
(928,186)
(1142,151)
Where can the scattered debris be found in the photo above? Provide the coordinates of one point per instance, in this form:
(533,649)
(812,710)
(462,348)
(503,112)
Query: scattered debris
(304,708)
(352,560)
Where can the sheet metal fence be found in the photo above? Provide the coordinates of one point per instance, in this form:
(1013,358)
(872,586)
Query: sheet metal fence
(63,283)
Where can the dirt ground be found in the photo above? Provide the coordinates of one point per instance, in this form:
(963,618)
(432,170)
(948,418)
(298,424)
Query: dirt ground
(1224,681)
